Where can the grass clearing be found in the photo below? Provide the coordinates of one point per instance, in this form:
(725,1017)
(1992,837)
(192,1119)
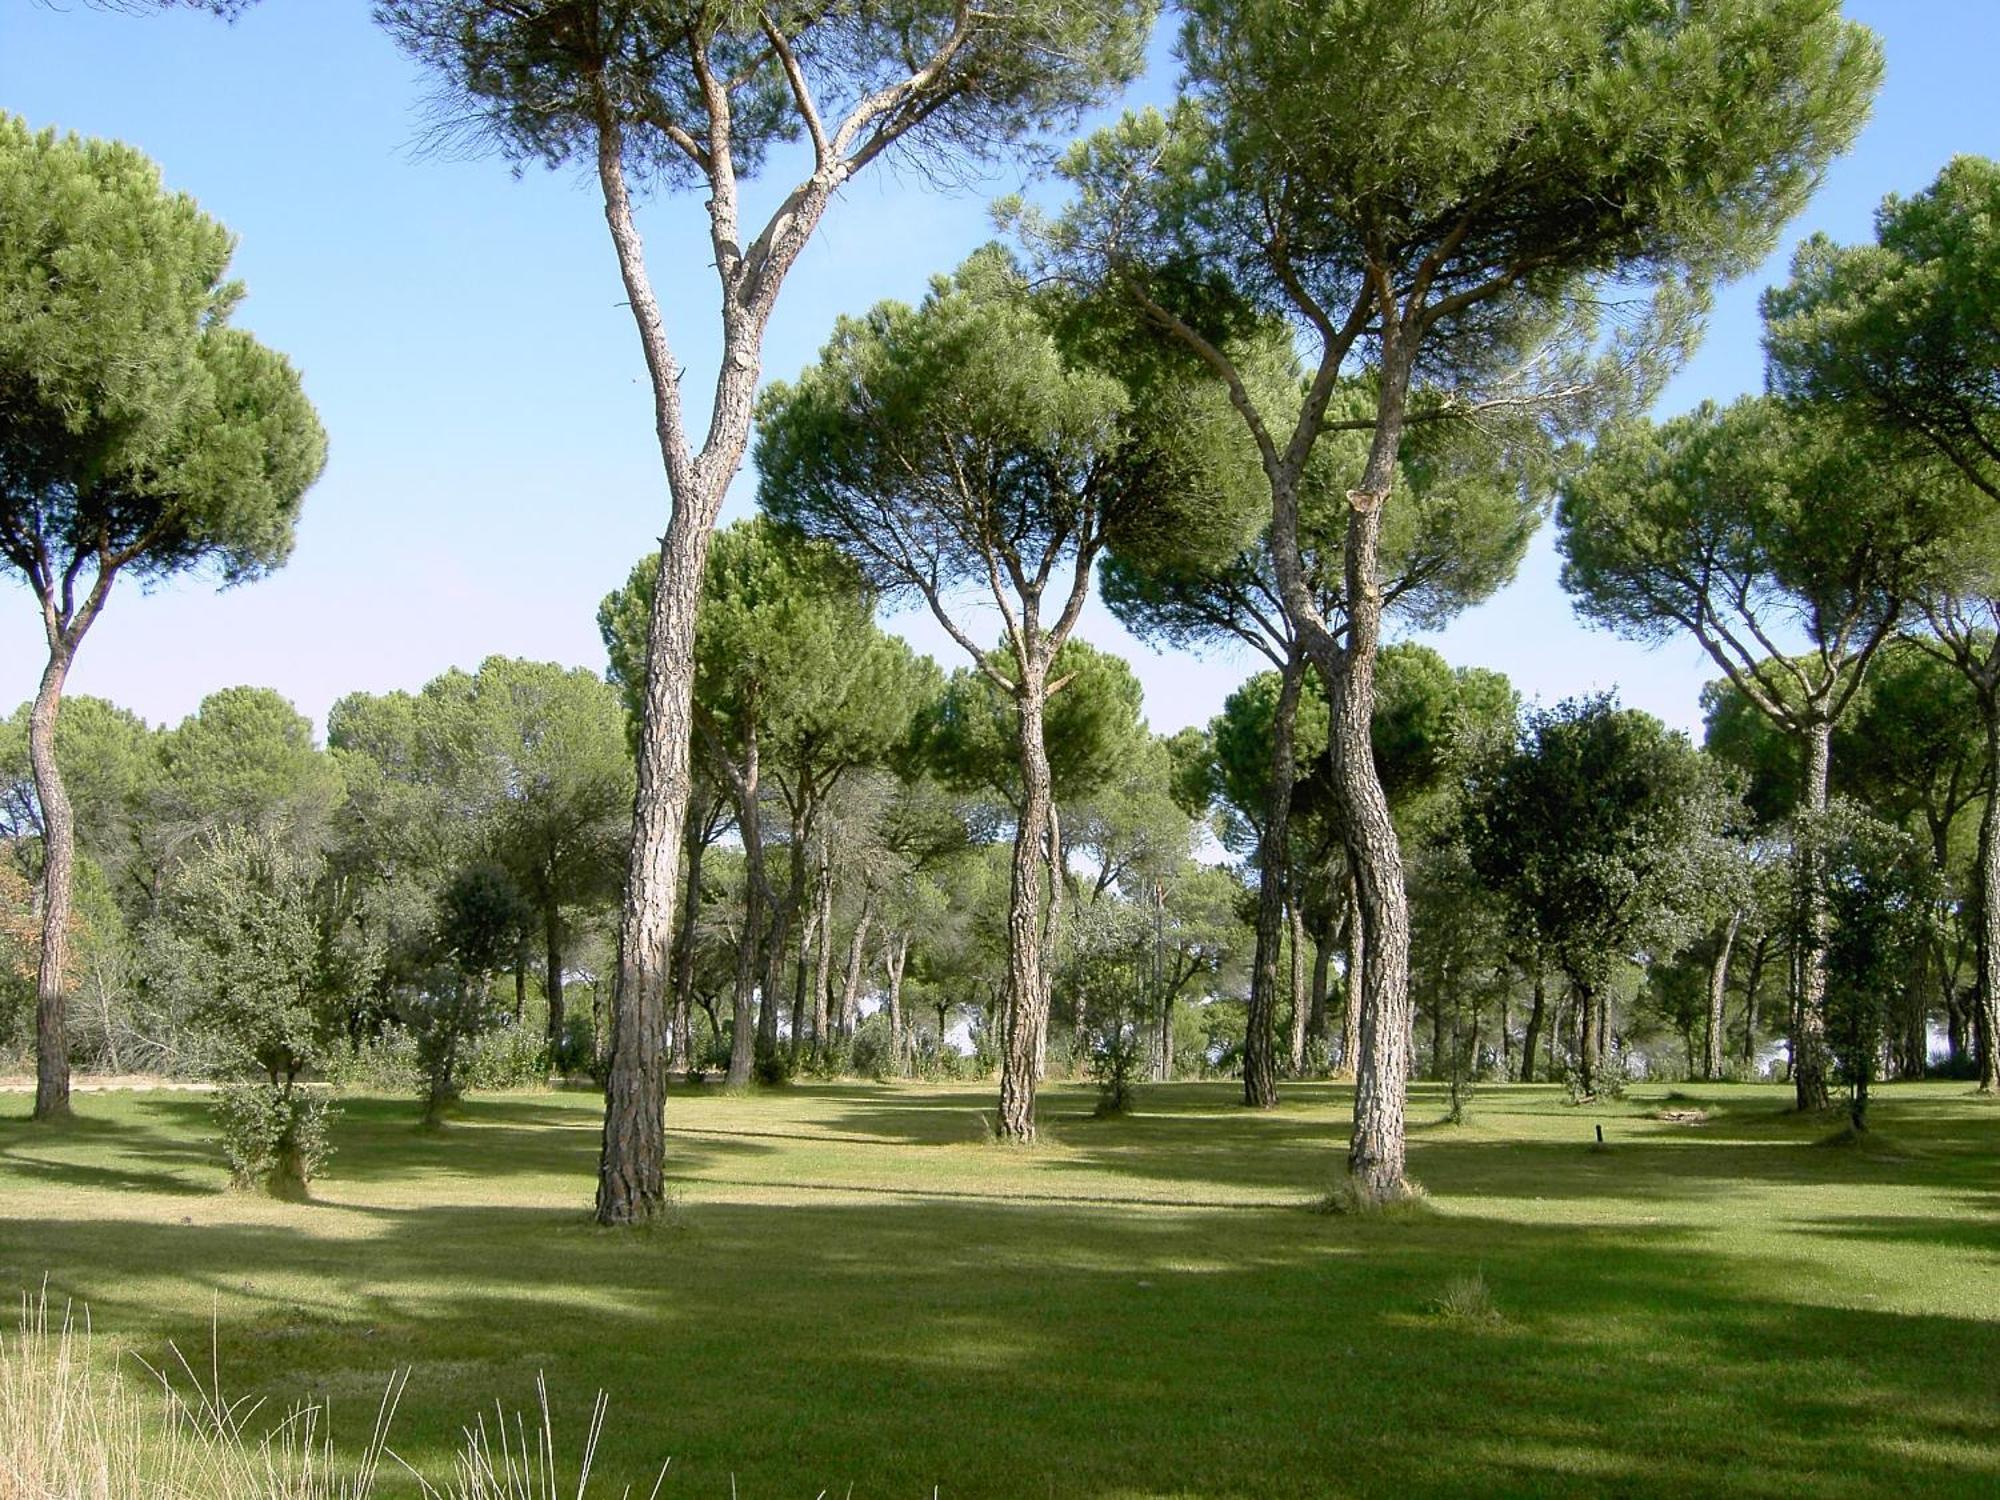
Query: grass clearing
(856,1289)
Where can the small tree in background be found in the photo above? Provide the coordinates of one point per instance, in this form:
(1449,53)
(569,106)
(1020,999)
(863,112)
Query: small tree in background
(244,938)
(1879,892)
(481,915)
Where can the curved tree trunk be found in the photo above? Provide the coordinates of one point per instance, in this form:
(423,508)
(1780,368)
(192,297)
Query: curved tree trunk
(1718,993)
(1260,1071)
(1809,1026)
(58,878)
(1024,1012)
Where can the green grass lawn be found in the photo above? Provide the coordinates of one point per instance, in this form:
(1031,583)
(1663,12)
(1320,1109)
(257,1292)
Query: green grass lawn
(857,1292)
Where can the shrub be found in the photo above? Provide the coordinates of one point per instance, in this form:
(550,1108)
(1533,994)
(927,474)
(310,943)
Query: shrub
(387,1063)
(576,1049)
(508,1057)
(274,1134)
(871,1055)
(772,1069)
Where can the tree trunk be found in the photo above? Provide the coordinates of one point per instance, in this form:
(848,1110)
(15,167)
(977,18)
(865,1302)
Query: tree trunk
(1718,992)
(749,820)
(520,979)
(552,976)
(1588,1041)
(809,934)
(1375,1157)
(1321,972)
(1260,1071)
(58,879)
(1986,996)
(850,984)
(895,954)
(1024,1014)
(1298,978)
(823,937)
(1809,1042)
(824,1024)
(1759,957)
(1357,966)
(685,940)
(1533,1035)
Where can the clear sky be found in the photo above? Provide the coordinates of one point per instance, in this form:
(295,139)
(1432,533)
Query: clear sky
(462,333)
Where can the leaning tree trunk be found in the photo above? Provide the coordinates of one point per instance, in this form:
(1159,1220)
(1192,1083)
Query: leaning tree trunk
(1024,1012)
(1718,993)
(1809,1028)
(1260,1070)
(1986,998)
(58,876)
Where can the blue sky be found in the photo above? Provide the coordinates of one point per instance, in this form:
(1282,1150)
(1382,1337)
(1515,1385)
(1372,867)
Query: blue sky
(463,335)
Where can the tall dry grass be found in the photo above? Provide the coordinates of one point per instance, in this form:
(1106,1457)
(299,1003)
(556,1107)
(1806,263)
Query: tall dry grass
(74,1425)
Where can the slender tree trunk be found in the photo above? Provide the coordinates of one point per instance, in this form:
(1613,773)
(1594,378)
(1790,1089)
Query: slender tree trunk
(1809,1042)
(1321,974)
(1024,1014)
(895,954)
(1533,1035)
(1718,993)
(824,1025)
(685,940)
(1357,967)
(749,819)
(520,979)
(1298,986)
(1260,1071)
(1986,997)
(1760,955)
(58,879)
(850,984)
(552,975)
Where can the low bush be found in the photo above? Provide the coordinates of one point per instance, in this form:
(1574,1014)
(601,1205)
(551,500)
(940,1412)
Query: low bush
(274,1134)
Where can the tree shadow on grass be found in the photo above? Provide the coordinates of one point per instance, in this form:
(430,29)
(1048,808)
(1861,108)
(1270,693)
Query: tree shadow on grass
(1035,1349)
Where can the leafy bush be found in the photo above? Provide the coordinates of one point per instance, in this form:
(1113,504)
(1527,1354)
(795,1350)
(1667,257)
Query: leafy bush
(509,1056)
(772,1069)
(275,1135)
(387,1063)
(576,1049)
(870,1054)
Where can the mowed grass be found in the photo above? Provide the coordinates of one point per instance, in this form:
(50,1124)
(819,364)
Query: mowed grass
(858,1294)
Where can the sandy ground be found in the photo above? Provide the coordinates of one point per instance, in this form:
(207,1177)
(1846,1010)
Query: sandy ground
(24,1083)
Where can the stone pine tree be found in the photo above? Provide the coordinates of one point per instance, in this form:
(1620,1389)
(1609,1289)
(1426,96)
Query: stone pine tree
(965,444)
(1206,583)
(140,436)
(1733,526)
(700,99)
(1901,339)
(1447,226)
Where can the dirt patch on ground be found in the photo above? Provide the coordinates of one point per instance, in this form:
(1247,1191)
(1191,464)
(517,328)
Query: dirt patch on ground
(22,1083)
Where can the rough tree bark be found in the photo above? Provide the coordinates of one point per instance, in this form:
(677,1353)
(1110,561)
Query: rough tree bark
(824,1026)
(895,954)
(682,1059)
(1986,998)
(58,875)
(1357,966)
(1024,1016)
(1260,1069)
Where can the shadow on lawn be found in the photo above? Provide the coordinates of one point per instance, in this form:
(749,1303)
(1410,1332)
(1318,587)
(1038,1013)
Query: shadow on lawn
(1032,1350)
